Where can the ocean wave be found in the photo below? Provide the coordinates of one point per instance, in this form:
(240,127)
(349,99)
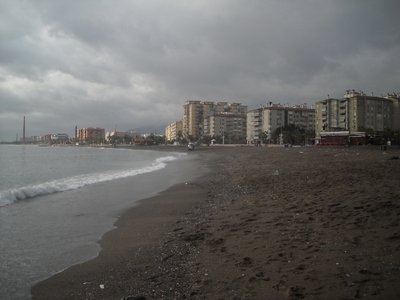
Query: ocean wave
(75,182)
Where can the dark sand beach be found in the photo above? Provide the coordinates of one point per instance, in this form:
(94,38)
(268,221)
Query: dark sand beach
(265,223)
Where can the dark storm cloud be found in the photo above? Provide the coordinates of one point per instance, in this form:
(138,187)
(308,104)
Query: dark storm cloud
(95,62)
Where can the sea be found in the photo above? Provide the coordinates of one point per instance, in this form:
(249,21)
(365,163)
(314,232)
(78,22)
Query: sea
(57,202)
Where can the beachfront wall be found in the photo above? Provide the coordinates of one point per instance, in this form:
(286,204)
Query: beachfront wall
(334,140)
(358,140)
(342,138)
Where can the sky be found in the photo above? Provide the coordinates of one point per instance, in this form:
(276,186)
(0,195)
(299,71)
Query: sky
(131,64)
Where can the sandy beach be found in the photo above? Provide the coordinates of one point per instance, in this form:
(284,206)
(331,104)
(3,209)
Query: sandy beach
(265,223)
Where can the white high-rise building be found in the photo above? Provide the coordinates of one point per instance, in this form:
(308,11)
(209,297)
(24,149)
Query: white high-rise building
(267,119)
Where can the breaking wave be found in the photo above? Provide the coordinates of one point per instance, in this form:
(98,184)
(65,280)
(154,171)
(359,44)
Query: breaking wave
(75,182)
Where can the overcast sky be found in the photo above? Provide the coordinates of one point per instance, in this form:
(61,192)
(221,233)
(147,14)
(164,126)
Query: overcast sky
(133,63)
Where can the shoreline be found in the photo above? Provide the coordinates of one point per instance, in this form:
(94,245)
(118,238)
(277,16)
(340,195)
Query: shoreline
(131,249)
(45,235)
(140,228)
(277,223)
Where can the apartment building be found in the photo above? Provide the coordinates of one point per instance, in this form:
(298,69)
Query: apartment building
(269,118)
(395,98)
(231,127)
(331,115)
(254,125)
(192,119)
(214,118)
(173,131)
(61,138)
(357,112)
(91,135)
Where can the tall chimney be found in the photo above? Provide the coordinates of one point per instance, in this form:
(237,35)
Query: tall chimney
(23,132)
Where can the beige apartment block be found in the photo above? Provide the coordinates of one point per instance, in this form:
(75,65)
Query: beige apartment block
(273,116)
(231,127)
(91,135)
(357,112)
(173,131)
(192,119)
(212,118)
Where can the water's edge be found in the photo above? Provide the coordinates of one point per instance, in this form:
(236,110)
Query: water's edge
(191,170)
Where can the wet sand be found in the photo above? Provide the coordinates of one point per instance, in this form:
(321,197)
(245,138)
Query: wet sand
(266,223)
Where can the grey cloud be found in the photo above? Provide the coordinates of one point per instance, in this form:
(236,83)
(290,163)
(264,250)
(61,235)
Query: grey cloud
(138,61)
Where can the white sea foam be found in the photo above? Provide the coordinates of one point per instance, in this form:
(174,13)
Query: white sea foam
(75,182)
